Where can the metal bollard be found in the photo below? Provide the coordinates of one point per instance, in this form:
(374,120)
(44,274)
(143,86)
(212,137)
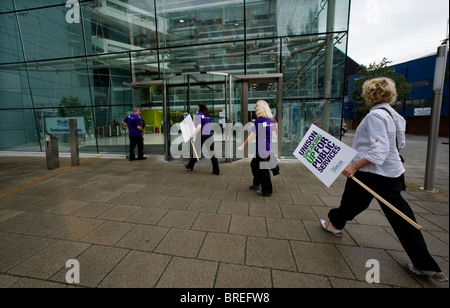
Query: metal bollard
(51,151)
(74,150)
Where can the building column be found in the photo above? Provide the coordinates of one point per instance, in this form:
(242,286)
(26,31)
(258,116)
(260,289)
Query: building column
(328,74)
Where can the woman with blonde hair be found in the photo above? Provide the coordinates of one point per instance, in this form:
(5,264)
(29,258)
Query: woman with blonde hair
(262,132)
(378,165)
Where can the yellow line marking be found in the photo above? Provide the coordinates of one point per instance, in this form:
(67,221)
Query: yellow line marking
(439,192)
(31,183)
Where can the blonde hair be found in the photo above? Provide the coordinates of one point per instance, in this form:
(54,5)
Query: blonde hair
(379,90)
(262,110)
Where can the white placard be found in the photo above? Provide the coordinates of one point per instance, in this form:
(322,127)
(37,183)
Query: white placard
(325,156)
(187,128)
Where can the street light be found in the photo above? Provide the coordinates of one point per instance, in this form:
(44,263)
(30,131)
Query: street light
(438,85)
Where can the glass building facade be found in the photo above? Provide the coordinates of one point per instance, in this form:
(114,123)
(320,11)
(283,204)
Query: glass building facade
(96,60)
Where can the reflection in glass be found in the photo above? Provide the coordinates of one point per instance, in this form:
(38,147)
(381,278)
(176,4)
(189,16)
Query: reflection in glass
(199,22)
(111,135)
(226,57)
(27,4)
(6,6)
(298,116)
(116,26)
(107,75)
(47,35)
(19,131)
(263,56)
(304,66)
(14,88)
(10,47)
(52,80)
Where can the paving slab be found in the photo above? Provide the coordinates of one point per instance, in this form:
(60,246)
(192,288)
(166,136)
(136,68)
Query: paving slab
(50,260)
(185,243)
(188,273)
(137,270)
(228,248)
(320,259)
(270,253)
(240,276)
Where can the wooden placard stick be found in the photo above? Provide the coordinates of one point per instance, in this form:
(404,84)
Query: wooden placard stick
(189,133)
(412,222)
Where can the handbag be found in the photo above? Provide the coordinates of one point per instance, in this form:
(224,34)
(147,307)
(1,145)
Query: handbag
(276,170)
(402,177)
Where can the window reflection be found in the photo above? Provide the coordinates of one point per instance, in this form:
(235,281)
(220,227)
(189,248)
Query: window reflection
(116,26)
(47,35)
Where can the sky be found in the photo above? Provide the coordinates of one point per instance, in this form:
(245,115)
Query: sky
(400,30)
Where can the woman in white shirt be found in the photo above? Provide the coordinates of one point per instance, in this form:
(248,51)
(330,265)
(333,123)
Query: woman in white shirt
(378,166)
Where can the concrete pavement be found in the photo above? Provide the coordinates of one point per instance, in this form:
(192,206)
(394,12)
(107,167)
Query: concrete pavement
(154,224)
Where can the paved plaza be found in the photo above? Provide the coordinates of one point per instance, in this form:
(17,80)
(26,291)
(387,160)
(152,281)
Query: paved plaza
(153,224)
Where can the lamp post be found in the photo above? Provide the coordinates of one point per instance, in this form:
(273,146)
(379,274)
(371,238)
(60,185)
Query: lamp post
(438,85)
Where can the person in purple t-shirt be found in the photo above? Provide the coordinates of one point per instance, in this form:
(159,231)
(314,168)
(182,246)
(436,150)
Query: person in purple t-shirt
(262,131)
(134,125)
(203,125)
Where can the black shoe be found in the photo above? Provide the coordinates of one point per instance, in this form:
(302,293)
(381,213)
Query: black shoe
(131,159)
(141,158)
(215,172)
(263,194)
(188,168)
(253,187)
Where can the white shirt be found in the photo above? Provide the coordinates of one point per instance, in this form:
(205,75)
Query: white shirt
(375,141)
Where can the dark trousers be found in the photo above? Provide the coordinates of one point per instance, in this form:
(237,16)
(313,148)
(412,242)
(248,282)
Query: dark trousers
(214,161)
(356,199)
(261,176)
(139,141)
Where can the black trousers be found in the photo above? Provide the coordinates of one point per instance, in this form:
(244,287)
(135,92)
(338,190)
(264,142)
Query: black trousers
(261,176)
(356,199)
(214,161)
(139,141)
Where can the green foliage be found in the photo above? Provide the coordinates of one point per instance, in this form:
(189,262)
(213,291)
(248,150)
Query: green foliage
(372,71)
(72,107)
(361,111)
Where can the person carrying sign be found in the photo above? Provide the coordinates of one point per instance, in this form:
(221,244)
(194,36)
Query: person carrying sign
(203,125)
(378,166)
(262,132)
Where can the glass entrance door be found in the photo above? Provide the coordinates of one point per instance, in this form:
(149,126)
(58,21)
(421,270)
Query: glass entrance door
(148,95)
(183,93)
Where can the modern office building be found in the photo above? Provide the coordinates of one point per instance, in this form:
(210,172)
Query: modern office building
(95,60)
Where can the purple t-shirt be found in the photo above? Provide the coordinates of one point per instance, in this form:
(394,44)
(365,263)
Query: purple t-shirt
(205,121)
(263,130)
(133,122)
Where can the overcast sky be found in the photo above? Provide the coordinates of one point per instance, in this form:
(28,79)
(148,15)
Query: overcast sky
(400,30)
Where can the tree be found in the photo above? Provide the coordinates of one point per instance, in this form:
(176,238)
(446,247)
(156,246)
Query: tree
(72,107)
(372,71)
